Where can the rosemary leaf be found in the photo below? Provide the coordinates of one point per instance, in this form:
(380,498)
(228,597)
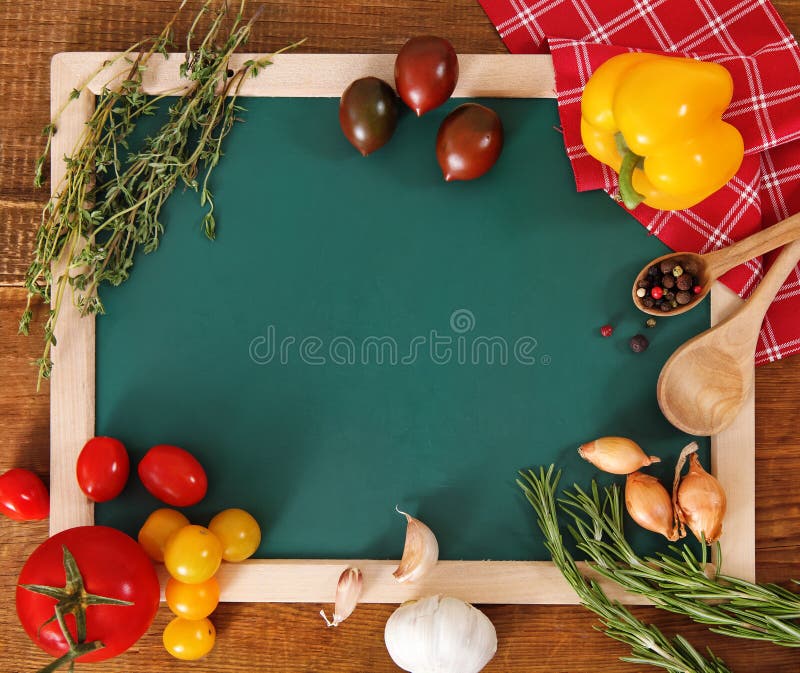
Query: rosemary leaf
(648,645)
(678,581)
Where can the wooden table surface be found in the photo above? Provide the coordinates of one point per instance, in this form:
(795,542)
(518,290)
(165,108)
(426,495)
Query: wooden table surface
(290,638)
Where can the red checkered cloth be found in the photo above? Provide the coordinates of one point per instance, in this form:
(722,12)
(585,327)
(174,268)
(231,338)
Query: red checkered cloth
(747,37)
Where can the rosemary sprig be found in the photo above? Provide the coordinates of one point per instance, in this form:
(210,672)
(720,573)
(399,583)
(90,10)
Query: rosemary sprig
(648,645)
(679,581)
(108,206)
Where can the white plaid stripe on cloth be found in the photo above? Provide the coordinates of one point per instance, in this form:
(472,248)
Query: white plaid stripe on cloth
(747,37)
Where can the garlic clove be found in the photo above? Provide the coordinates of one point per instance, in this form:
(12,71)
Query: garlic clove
(650,505)
(701,502)
(617,455)
(420,553)
(440,634)
(348,591)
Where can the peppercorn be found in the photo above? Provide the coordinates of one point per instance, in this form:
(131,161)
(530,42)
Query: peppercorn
(667,266)
(644,283)
(651,322)
(697,289)
(668,282)
(639,343)
(652,271)
(677,271)
(606,330)
(690,267)
(683,297)
(684,282)
(641,292)
(666,307)
(648,302)
(669,296)
(657,292)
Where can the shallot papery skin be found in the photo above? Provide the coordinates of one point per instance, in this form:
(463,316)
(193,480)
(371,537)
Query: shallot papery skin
(650,505)
(616,455)
(701,502)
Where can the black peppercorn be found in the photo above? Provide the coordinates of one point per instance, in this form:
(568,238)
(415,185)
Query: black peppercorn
(639,343)
(683,297)
(644,283)
(648,302)
(685,282)
(652,271)
(690,267)
(668,282)
(665,306)
(667,266)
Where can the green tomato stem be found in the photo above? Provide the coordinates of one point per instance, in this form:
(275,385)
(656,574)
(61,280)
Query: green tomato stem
(69,658)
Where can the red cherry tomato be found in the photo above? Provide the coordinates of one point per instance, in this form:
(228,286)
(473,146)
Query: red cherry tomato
(23,496)
(103,468)
(112,565)
(426,72)
(173,475)
(469,142)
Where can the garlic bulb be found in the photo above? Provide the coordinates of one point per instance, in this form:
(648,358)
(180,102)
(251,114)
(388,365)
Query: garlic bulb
(440,634)
(348,590)
(650,505)
(617,455)
(420,553)
(700,501)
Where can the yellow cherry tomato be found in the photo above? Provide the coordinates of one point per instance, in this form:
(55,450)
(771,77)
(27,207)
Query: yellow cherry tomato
(192,601)
(238,532)
(192,554)
(156,530)
(189,639)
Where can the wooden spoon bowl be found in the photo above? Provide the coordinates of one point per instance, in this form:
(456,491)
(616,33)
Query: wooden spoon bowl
(705,382)
(710,266)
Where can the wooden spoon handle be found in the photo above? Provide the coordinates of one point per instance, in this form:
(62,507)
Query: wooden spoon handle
(724,259)
(762,297)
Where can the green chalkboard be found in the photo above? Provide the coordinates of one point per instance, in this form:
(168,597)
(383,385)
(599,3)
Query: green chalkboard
(363,335)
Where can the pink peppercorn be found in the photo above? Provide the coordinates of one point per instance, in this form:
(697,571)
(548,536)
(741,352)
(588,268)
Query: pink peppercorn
(697,289)
(606,330)
(657,292)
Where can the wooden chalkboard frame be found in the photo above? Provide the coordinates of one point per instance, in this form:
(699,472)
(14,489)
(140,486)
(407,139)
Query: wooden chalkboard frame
(72,389)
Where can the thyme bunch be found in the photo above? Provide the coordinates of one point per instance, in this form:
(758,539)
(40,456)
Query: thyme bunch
(648,645)
(108,206)
(679,581)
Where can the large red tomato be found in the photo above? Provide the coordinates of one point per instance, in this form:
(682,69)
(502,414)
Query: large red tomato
(112,566)
(173,475)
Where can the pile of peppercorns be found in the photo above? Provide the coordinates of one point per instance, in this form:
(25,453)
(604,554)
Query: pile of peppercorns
(668,285)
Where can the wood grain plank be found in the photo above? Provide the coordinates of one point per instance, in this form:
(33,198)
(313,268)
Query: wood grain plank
(291,638)
(73,382)
(733,463)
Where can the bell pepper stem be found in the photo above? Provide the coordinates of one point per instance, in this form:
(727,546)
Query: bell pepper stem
(630,161)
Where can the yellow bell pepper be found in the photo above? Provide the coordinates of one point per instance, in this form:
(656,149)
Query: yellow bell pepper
(656,120)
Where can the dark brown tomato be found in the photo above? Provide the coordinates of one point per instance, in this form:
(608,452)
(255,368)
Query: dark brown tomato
(469,142)
(368,114)
(426,72)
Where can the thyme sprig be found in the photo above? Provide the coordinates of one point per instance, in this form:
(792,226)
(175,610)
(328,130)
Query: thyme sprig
(108,205)
(648,645)
(679,581)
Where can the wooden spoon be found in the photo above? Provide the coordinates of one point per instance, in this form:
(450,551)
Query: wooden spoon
(712,265)
(703,385)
